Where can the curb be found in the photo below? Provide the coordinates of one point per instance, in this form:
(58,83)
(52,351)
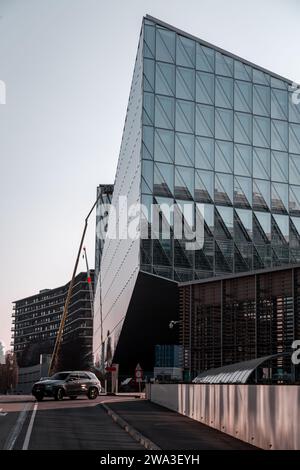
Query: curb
(136,435)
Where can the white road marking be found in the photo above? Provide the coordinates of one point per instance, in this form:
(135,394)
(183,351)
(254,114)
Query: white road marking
(13,436)
(2,414)
(29,430)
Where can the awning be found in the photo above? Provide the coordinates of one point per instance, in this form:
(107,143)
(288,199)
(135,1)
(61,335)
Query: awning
(237,373)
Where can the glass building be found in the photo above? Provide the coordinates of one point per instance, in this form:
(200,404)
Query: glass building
(202,127)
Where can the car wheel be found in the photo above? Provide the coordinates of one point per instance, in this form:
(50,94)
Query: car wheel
(73,397)
(92,393)
(59,394)
(39,397)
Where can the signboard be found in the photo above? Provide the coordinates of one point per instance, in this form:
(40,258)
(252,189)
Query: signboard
(138,373)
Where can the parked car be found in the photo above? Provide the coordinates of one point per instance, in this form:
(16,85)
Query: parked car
(67,384)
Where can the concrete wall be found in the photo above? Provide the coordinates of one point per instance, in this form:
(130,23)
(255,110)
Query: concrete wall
(267,416)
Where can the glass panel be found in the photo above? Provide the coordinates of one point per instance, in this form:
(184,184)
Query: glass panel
(224,124)
(165,79)
(280,197)
(165,45)
(164,112)
(148,109)
(279,104)
(261,131)
(162,252)
(264,220)
(280,166)
(224,65)
(204,153)
(224,156)
(226,214)
(164,146)
(243,128)
(276,83)
(209,216)
(243,160)
(205,58)
(205,87)
(261,194)
(148,142)
(294,138)
(149,41)
(223,188)
(204,120)
(149,75)
(294,204)
(243,96)
(185,116)
(204,186)
(282,222)
(261,77)
(184,182)
(224,92)
(261,100)
(294,173)
(261,163)
(242,191)
(279,135)
(163,179)
(245,217)
(184,149)
(185,52)
(147,177)
(294,109)
(185,83)
(242,71)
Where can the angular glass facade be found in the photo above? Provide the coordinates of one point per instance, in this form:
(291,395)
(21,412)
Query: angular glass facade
(204,127)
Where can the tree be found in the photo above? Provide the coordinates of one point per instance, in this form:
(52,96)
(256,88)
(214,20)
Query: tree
(2,355)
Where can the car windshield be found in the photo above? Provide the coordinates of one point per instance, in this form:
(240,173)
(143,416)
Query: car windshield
(60,376)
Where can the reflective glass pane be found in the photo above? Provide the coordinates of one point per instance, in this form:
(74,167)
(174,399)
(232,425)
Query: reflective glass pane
(224,65)
(224,92)
(243,160)
(149,75)
(209,216)
(279,135)
(245,217)
(223,156)
(165,79)
(205,120)
(279,104)
(294,202)
(165,45)
(279,166)
(264,224)
(164,146)
(277,83)
(243,128)
(242,71)
(205,87)
(185,83)
(280,197)
(204,153)
(223,188)
(185,116)
(204,186)
(261,194)
(205,58)
(294,141)
(184,149)
(185,52)
(149,41)
(282,223)
(242,191)
(184,182)
(148,109)
(226,217)
(164,112)
(163,179)
(261,131)
(261,77)
(148,142)
(261,163)
(224,124)
(294,173)
(243,96)
(147,176)
(294,107)
(261,100)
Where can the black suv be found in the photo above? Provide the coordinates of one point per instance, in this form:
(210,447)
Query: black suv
(67,384)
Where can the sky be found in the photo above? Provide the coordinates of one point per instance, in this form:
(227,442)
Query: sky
(67,66)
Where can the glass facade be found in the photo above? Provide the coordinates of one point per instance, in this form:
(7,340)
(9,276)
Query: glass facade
(221,132)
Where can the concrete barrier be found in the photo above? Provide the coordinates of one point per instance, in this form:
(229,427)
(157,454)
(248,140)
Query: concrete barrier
(267,416)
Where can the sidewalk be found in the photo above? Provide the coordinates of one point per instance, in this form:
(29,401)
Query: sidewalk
(172,431)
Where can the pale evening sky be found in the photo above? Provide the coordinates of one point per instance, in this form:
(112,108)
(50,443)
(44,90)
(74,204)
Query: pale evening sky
(67,65)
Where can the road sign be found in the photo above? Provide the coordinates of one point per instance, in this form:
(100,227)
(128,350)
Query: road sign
(138,373)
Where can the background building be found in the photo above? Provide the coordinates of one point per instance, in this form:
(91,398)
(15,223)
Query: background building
(202,126)
(36,320)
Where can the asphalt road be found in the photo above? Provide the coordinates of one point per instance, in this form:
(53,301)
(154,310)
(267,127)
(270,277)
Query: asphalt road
(68,424)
